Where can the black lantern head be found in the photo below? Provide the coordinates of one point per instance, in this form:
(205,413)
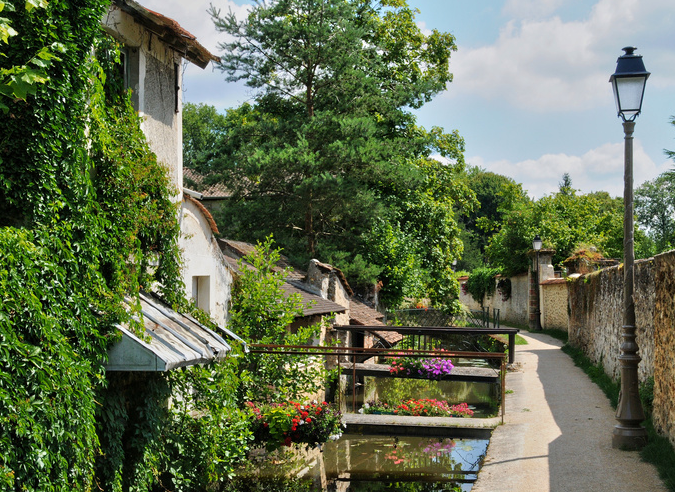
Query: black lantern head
(628,82)
(536,243)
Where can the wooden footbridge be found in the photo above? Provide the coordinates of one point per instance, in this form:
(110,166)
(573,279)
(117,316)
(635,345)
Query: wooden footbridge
(422,338)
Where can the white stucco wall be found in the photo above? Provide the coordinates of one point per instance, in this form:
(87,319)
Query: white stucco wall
(204,260)
(151,64)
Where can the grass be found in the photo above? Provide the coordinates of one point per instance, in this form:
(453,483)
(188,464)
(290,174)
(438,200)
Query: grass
(659,451)
(520,340)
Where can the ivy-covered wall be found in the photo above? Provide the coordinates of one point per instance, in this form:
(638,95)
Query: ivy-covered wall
(512,305)
(87,219)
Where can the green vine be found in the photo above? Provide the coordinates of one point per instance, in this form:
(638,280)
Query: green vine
(86,220)
(481,283)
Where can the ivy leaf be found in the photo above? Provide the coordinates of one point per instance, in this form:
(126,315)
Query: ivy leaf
(34,4)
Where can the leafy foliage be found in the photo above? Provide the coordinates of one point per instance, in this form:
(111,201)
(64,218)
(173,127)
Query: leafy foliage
(655,211)
(202,125)
(482,283)
(87,220)
(19,81)
(564,220)
(497,195)
(329,159)
(283,424)
(262,313)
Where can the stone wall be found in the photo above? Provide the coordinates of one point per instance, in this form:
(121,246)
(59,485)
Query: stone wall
(512,310)
(664,341)
(554,305)
(596,316)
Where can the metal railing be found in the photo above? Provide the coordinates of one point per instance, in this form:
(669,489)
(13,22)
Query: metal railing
(354,352)
(436,317)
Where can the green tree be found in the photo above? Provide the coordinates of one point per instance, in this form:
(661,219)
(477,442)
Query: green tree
(564,220)
(261,313)
(655,210)
(330,147)
(202,125)
(565,185)
(496,195)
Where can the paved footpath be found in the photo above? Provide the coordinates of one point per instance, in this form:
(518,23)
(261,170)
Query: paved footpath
(557,435)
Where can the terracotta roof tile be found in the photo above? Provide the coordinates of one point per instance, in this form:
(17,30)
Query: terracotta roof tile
(169,31)
(196,181)
(203,210)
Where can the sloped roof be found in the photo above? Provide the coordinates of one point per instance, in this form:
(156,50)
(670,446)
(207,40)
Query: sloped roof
(196,181)
(362,314)
(312,303)
(173,340)
(239,249)
(204,211)
(169,31)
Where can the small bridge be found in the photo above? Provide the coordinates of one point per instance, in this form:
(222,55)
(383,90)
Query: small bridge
(424,333)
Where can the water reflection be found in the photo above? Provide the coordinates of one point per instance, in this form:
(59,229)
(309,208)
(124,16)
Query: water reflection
(369,463)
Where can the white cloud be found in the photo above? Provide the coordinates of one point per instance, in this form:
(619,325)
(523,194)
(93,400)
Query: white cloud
(599,169)
(541,63)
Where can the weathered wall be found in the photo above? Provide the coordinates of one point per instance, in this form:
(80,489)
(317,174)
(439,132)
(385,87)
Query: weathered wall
(664,342)
(153,73)
(512,310)
(554,309)
(204,261)
(596,316)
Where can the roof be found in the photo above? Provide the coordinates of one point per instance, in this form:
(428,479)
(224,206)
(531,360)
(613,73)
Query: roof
(361,314)
(198,182)
(204,211)
(169,31)
(173,340)
(239,249)
(312,304)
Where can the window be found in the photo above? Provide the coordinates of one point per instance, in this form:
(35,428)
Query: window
(201,292)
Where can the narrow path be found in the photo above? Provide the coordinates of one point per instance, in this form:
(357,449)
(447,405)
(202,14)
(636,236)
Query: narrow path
(557,435)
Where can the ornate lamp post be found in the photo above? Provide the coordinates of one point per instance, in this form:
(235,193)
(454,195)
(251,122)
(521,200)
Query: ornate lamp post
(536,246)
(628,82)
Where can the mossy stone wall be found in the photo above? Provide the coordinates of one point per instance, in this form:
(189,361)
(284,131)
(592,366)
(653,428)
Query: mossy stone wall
(664,341)
(596,316)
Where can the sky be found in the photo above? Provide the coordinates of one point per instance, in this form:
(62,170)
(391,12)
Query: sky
(530,94)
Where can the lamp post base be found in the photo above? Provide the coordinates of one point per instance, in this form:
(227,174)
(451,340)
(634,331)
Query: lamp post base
(631,438)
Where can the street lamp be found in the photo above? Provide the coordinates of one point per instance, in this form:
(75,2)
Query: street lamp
(628,82)
(536,245)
